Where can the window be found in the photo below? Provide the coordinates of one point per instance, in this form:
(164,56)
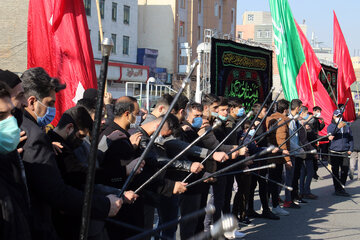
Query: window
(258,34)
(268,34)
(114,12)
(87,4)
(126,14)
(240,34)
(199,33)
(219,12)
(113,37)
(99,41)
(182,3)
(182,29)
(232,16)
(126,41)
(251,17)
(102,8)
(199,6)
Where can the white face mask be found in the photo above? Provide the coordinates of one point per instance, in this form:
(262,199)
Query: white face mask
(317,115)
(337,120)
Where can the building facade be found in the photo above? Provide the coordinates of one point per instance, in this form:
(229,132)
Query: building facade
(176,27)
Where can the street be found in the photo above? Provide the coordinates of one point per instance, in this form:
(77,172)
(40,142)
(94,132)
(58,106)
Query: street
(328,217)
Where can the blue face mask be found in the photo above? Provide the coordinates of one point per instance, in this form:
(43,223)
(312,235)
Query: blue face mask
(48,117)
(252,132)
(306,117)
(9,135)
(197,122)
(222,118)
(214,114)
(240,112)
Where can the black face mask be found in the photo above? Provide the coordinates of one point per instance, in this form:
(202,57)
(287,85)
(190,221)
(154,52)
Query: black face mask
(73,142)
(18,114)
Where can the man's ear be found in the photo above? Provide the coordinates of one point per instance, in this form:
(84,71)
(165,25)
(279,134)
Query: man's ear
(69,129)
(31,103)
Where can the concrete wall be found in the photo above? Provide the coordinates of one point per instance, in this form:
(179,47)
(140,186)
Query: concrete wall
(156,27)
(13,32)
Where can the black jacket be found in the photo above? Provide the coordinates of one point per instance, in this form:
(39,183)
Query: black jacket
(14,205)
(46,187)
(355,129)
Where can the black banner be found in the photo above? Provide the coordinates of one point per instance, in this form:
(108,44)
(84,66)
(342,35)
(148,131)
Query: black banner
(240,71)
(331,75)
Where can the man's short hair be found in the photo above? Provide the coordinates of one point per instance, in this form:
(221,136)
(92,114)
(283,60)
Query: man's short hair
(194,106)
(4,90)
(181,103)
(295,103)
(247,124)
(165,100)
(38,83)
(121,106)
(173,124)
(78,116)
(88,104)
(224,101)
(209,99)
(282,105)
(256,108)
(234,103)
(10,78)
(317,108)
(304,109)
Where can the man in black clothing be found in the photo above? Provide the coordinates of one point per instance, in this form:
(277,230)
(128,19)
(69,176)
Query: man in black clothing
(46,187)
(14,201)
(316,125)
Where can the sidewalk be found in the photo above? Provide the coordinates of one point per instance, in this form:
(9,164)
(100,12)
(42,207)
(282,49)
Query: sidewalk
(328,217)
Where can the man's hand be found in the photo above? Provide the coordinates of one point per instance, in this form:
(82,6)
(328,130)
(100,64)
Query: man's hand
(331,138)
(57,147)
(243,151)
(107,98)
(186,128)
(135,139)
(203,127)
(220,156)
(132,164)
(115,204)
(342,124)
(256,123)
(285,152)
(179,188)
(196,167)
(234,154)
(275,150)
(349,152)
(130,197)
(288,164)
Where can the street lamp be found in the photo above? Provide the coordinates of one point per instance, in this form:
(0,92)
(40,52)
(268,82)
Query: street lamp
(107,45)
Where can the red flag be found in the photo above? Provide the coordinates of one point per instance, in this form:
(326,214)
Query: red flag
(59,41)
(346,73)
(321,96)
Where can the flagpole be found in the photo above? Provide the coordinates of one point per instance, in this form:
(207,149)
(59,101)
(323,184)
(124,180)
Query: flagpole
(312,91)
(100,31)
(332,90)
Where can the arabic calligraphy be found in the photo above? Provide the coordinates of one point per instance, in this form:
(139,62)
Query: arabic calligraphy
(247,91)
(131,72)
(239,60)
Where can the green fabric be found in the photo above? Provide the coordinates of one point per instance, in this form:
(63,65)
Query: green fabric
(288,48)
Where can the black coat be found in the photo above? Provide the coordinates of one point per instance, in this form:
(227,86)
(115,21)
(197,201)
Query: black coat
(46,187)
(14,205)
(355,129)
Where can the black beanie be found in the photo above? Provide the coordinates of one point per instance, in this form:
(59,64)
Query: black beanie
(10,78)
(90,93)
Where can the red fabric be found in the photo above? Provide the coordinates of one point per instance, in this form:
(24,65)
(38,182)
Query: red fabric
(322,98)
(59,41)
(346,73)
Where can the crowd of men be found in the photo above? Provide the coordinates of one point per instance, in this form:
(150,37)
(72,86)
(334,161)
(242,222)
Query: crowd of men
(43,168)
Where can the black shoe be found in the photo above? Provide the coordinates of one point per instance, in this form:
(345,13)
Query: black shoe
(342,193)
(245,221)
(301,201)
(269,215)
(253,214)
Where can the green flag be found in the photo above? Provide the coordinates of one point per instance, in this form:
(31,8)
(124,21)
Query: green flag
(288,48)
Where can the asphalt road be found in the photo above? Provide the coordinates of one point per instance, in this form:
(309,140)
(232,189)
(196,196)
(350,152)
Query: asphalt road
(328,217)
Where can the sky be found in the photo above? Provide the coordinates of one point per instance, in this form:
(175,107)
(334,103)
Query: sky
(318,16)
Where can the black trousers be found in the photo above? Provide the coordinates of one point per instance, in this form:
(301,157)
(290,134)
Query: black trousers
(189,203)
(295,183)
(276,175)
(241,198)
(337,163)
(263,190)
(228,193)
